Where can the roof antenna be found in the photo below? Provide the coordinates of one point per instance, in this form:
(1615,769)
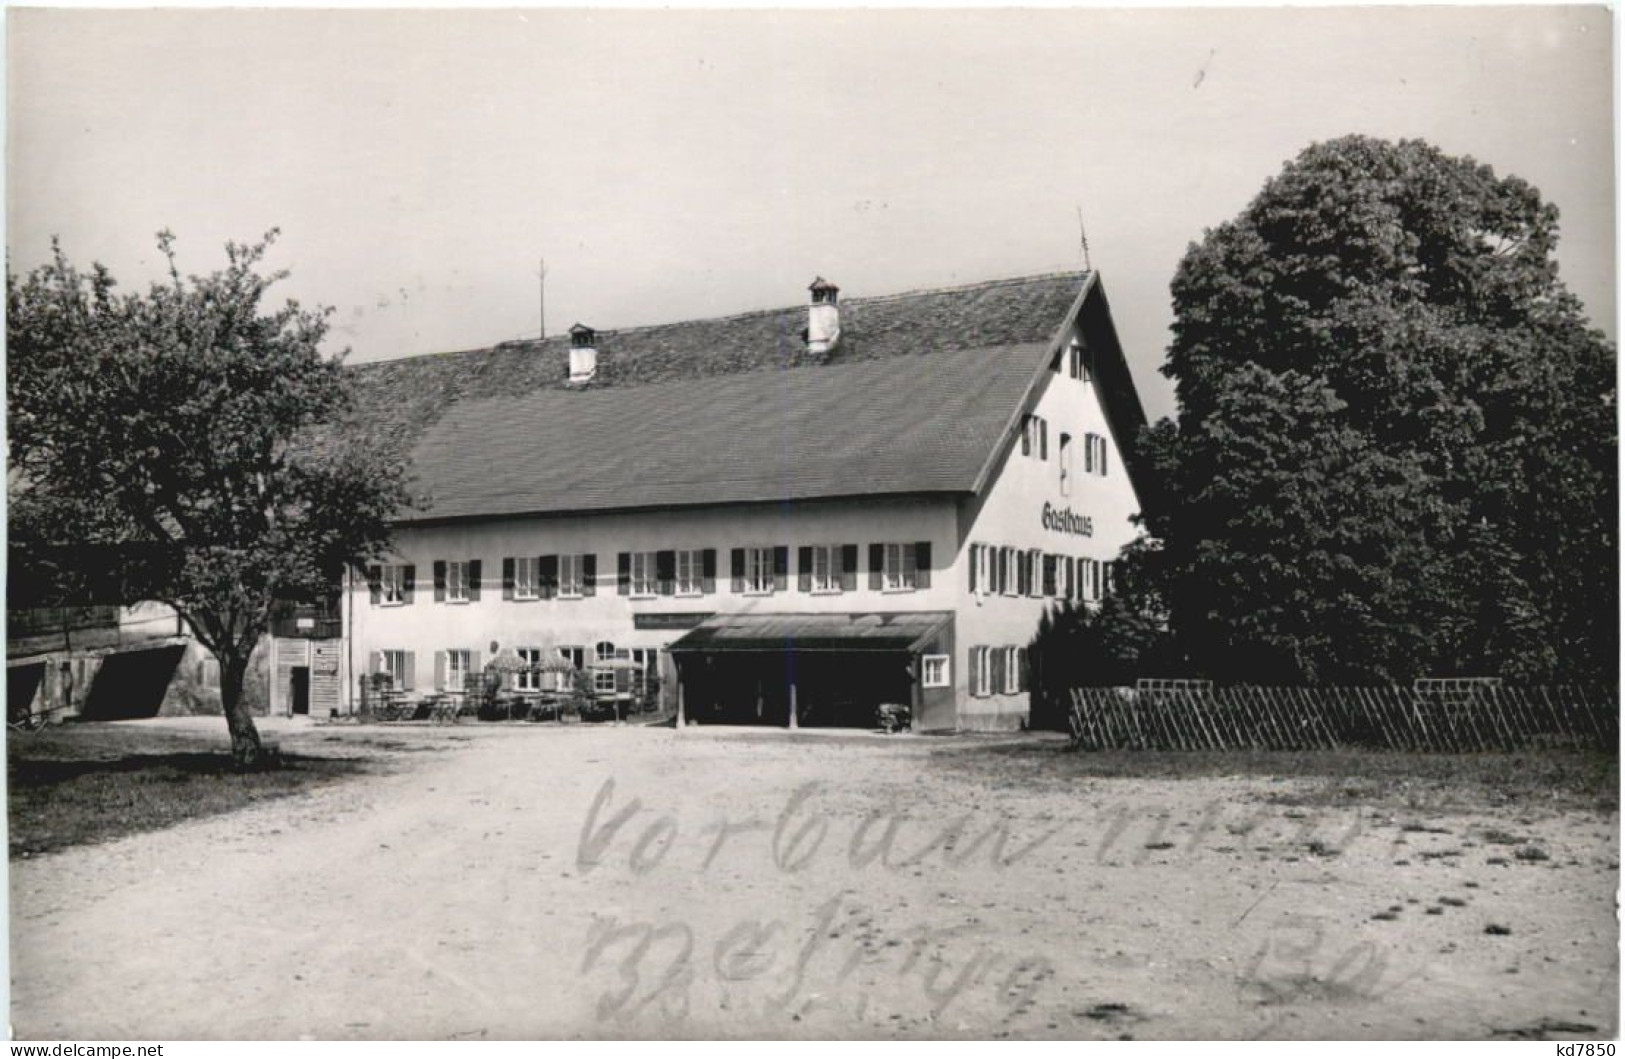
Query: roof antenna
(1083,240)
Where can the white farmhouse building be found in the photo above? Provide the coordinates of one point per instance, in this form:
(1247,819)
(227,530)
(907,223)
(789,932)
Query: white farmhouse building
(792,516)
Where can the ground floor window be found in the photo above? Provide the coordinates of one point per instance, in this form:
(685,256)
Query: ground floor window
(1012,670)
(935,671)
(531,681)
(603,680)
(981,671)
(397,665)
(457,670)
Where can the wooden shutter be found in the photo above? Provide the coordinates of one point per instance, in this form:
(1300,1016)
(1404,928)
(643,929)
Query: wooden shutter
(589,574)
(507,577)
(440,580)
(409,582)
(1021,573)
(736,559)
(1043,440)
(409,678)
(440,671)
(781,568)
(922,564)
(804,568)
(474,581)
(1102,457)
(375,584)
(849,568)
(623,574)
(971,554)
(547,574)
(1026,435)
(666,573)
(708,570)
(1023,680)
(974,671)
(877,565)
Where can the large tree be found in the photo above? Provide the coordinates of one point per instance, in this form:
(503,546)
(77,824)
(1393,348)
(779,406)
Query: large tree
(1395,449)
(186,445)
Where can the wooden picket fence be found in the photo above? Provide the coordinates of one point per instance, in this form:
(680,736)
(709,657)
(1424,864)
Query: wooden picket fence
(1447,719)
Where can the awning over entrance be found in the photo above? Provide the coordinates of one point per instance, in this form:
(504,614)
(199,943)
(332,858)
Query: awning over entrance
(725,633)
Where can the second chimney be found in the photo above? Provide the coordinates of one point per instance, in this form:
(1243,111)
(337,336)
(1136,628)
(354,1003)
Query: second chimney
(823,317)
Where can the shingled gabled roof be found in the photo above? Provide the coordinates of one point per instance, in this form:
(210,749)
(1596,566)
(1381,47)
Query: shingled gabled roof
(919,396)
(922,424)
(400,399)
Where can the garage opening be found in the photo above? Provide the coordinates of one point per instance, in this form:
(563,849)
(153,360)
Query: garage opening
(132,684)
(806,670)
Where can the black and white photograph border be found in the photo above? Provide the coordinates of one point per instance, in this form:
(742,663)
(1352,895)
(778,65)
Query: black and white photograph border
(811,523)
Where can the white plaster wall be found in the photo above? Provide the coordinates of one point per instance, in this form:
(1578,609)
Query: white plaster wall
(1011,514)
(425,626)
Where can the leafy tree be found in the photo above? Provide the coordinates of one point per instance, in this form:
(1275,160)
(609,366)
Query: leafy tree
(1395,452)
(1111,643)
(183,445)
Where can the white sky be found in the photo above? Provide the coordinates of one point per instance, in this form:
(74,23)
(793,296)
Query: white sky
(673,165)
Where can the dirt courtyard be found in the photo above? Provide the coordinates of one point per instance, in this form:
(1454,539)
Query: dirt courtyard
(514,882)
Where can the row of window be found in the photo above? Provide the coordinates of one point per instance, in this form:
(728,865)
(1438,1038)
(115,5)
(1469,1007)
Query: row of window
(454,666)
(1035,442)
(1005,571)
(998,671)
(759,570)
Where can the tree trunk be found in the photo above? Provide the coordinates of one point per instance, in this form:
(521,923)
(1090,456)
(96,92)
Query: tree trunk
(245,738)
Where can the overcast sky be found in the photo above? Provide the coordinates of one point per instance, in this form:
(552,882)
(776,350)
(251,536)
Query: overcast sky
(679,165)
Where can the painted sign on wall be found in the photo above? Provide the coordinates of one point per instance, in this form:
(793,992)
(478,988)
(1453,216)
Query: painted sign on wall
(1065,520)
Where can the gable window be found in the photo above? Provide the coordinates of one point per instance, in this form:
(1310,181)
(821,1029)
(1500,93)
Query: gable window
(981,569)
(691,572)
(1094,454)
(527,577)
(1063,460)
(1091,577)
(934,671)
(1077,360)
(1008,573)
(1035,437)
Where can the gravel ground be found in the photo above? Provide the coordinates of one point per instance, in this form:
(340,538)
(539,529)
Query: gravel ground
(623,882)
